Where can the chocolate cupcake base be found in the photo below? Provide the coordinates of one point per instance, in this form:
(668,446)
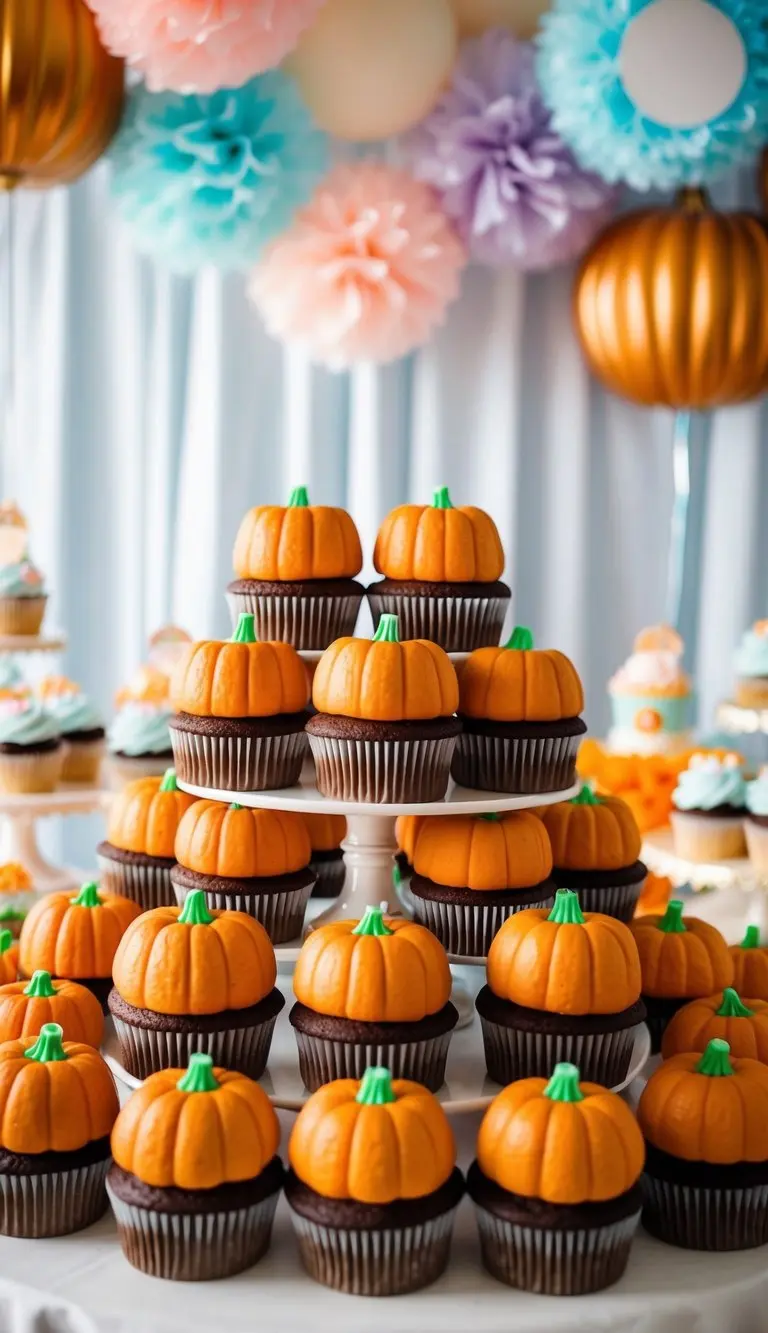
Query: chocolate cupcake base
(528,1043)
(374,1250)
(331,1048)
(612,892)
(195,1235)
(658,1014)
(552,1249)
(698,1206)
(235,1039)
(466,920)
(53,1193)
(458,616)
(278,904)
(146,880)
(521,758)
(239,754)
(309,615)
(382,763)
(330,872)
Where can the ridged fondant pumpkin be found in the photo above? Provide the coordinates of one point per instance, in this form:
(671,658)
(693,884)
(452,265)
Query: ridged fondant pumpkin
(592,832)
(565,961)
(144,816)
(384,680)
(483,852)
(681,958)
(239,677)
(9,958)
(297,542)
(75,936)
(406,832)
(439,544)
(228,840)
(54,1096)
(25,1006)
(750,965)
(707,1108)
(743,1024)
(326,832)
(519,683)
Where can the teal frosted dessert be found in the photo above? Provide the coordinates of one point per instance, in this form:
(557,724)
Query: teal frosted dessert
(31,749)
(139,739)
(22,598)
(751,666)
(709,809)
(652,701)
(756,822)
(81,724)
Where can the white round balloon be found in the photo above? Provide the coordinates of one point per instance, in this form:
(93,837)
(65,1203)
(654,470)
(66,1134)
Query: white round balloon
(520,16)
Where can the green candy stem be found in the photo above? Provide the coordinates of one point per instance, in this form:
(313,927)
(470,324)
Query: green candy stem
(441,498)
(375,1087)
(372,923)
(732,1006)
(234,806)
(566,911)
(587,797)
(40,987)
(199,1076)
(388,630)
(88,896)
(245,632)
(397,878)
(169,782)
(672,921)
(564,1085)
(6,940)
(490,819)
(751,938)
(298,498)
(195,912)
(521,639)
(48,1046)
(714,1062)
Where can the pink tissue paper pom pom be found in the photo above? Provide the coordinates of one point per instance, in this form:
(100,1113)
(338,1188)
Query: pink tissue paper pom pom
(198,46)
(366,271)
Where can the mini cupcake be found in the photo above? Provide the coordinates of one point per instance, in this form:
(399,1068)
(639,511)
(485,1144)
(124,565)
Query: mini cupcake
(139,740)
(441,570)
(562,985)
(472,872)
(652,700)
(26,1006)
(750,965)
(680,960)
(196,1177)
(296,570)
(240,713)
(706,1131)
(75,938)
(595,845)
(188,980)
(31,750)
(385,730)
(709,800)
(23,596)
(54,1135)
(326,834)
(751,665)
(743,1024)
(756,822)
(254,861)
(373,1212)
(552,1220)
(138,855)
(519,708)
(375,991)
(81,726)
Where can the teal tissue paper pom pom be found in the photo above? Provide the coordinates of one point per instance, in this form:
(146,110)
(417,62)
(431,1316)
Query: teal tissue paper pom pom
(211,179)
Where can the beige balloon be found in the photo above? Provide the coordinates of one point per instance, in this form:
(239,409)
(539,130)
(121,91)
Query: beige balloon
(371,68)
(520,16)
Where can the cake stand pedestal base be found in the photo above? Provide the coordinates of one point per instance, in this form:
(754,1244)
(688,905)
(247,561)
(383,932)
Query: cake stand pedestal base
(19,843)
(369,851)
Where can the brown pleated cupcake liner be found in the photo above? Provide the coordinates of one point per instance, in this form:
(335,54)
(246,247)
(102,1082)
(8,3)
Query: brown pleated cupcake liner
(555,1263)
(457,624)
(375,1263)
(512,1053)
(696,1218)
(53,1204)
(308,623)
(82,761)
(195,1247)
(329,877)
(524,766)
(382,772)
(145,1051)
(616,900)
(321,1061)
(27,774)
(22,615)
(281,914)
(238,763)
(148,885)
(467,929)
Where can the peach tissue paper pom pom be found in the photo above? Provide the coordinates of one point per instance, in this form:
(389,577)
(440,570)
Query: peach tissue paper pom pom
(199,46)
(365,272)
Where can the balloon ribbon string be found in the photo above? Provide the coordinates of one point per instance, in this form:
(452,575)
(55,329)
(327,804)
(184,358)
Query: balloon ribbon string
(681,471)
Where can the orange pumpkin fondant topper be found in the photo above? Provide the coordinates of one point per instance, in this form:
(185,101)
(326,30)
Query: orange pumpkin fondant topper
(519,683)
(439,543)
(592,832)
(297,543)
(681,958)
(144,816)
(483,852)
(54,1096)
(708,1108)
(384,680)
(239,677)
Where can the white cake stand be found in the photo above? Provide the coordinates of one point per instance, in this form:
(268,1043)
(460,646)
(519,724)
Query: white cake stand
(741,898)
(18,837)
(33,643)
(738,721)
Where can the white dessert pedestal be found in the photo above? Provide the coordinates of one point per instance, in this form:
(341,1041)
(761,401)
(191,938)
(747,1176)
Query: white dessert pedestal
(32,643)
(18,836)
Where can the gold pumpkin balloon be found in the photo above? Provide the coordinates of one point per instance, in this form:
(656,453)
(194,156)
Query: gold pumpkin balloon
(670,306)
(61,94)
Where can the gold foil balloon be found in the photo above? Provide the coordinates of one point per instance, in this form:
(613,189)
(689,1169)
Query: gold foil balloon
(61,94)
(670,306)
(521,17)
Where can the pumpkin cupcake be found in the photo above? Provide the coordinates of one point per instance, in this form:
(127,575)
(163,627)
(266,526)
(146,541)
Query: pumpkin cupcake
(708,818)
(326,834)
(680,960)
(295,569)
(385,730)
(25,1006)
(241,708)
(750,965)
(375,991)
(136,858)
(552,1220)
(472,872)
(75,938)
(519,708)
(188,980)
(595,846)
(705,1122)
(742,1023)
(58,1104)
(441,570)
(562,985)
(254,861)
(196,1177)
(373,1211)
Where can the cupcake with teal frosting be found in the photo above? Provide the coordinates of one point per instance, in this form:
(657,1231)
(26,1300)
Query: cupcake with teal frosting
(139,740)
(756,822)
(81,725)
(22,591)
(31,748)
(710,809)
(751,666)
